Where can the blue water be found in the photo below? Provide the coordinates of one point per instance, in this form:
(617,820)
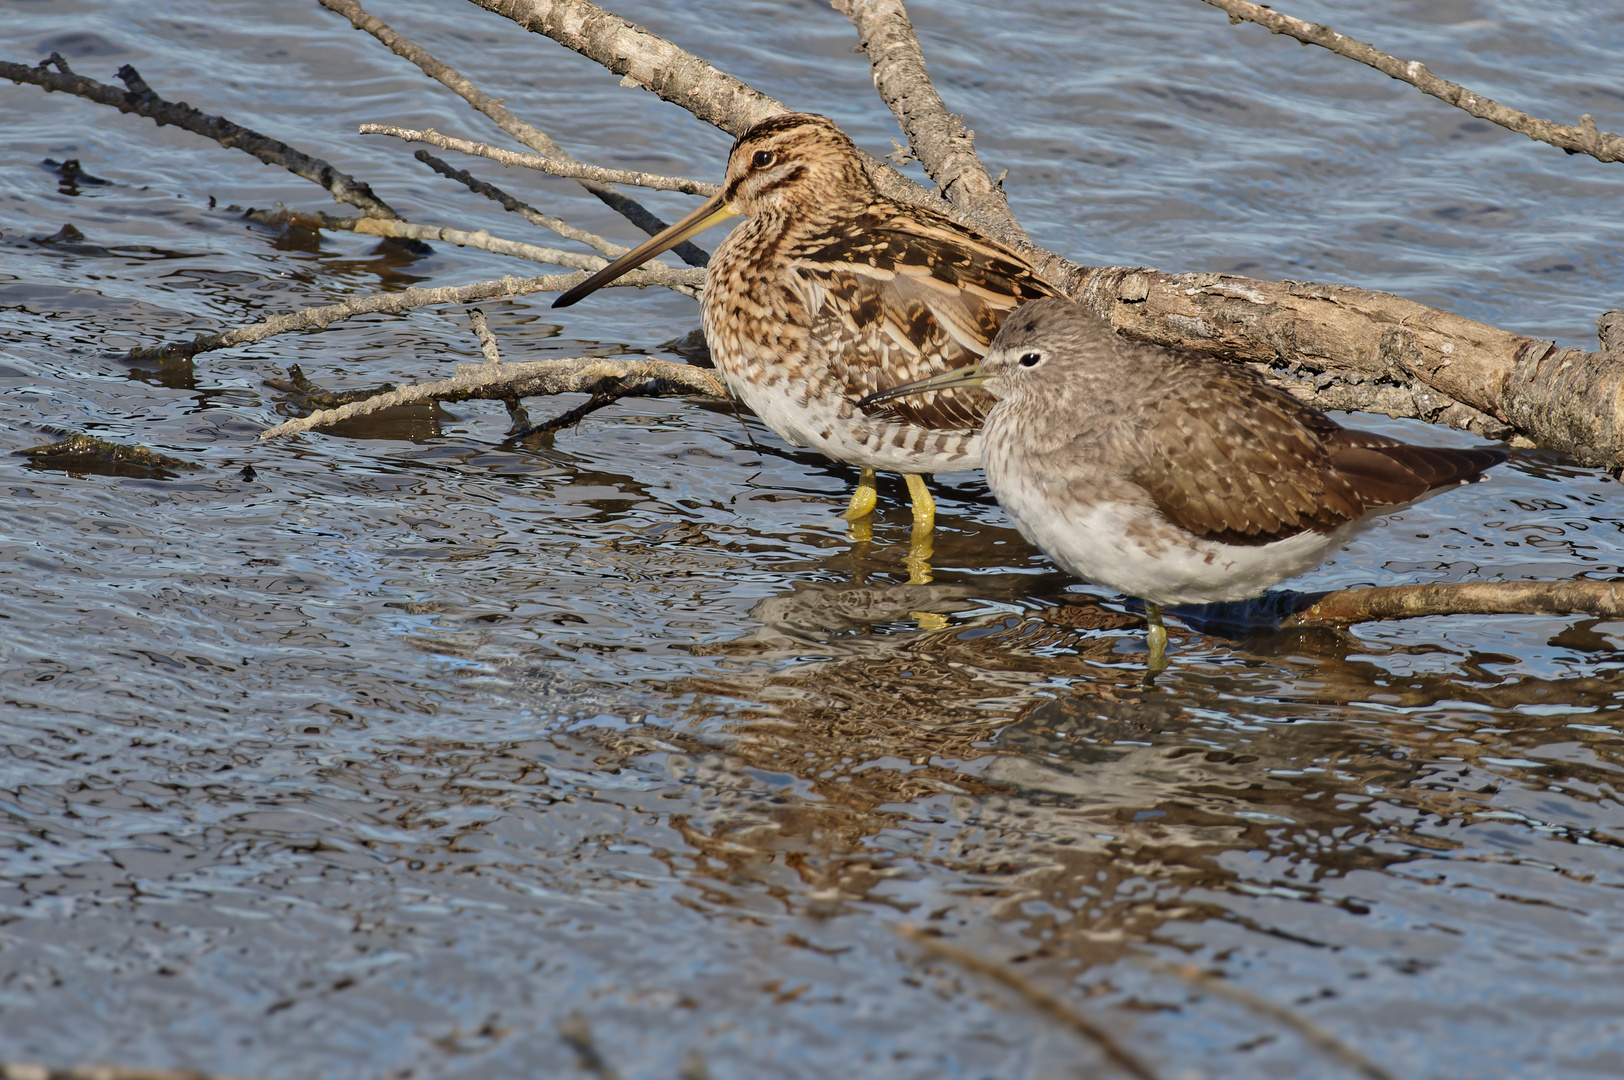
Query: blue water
(386,750)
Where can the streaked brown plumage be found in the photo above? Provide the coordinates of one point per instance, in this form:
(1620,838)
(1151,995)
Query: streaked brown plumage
(829,291)
(1172,476)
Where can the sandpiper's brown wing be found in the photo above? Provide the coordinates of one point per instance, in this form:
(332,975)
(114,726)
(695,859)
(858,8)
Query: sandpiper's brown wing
(1231,459)
(899,295)
(1235,460)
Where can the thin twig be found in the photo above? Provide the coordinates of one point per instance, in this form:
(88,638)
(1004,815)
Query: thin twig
(523,209)
(498,382)
(1580,139)
(940,140)
(527,134)
(487,340)
(1044,1001)
(142,101)
(1330,1044)
(1345,607)
(688,281)
(574,170)
(325,315)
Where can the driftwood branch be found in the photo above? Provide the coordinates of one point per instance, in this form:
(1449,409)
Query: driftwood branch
(1041,999)
(1346,607)
(319,318)
(1582,138)
(678,76)
(501,382)
(940,140)
(566,167)
(517,206)
(140,99)
(492,108)
(689,282)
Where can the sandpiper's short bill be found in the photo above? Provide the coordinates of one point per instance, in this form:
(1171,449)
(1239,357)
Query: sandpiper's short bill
(830,291)
(1172,476)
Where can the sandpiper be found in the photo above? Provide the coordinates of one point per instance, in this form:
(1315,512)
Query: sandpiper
(1171,476)
(830,291)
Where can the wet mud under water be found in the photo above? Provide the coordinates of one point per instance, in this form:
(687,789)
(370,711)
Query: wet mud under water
(400,750)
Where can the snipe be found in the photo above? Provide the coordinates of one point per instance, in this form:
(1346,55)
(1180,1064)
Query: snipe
(1172,476)
(829,292)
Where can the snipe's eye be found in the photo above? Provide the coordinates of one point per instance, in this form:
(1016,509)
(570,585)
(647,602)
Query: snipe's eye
(763,159)
(1031,359)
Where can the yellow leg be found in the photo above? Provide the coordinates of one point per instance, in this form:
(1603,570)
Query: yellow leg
(1157,640)
(863,498)
(920,547)
(924,507)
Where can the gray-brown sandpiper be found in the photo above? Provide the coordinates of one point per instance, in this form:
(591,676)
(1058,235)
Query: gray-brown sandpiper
(1172,476)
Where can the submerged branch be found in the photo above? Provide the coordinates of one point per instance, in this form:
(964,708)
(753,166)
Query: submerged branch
(501,382)
(1328,1043)
(141,100)
(1346,607)
(526,134)
(1044,1001)
(569,168)
(1580,139)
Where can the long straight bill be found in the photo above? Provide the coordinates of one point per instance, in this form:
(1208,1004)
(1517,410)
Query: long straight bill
(713,211)
(968,375)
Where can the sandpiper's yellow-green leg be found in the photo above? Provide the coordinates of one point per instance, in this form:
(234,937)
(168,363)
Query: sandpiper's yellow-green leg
(920,547)
(1157,640)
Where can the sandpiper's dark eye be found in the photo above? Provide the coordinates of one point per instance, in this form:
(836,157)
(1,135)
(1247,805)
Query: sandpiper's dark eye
(763,159)
(1031,359)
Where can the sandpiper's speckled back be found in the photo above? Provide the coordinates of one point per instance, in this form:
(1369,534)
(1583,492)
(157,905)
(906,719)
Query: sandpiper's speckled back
(829,292)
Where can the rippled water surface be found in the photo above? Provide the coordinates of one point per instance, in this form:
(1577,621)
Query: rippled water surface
(395,750)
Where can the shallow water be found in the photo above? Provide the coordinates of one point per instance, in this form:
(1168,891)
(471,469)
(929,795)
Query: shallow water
(383,751)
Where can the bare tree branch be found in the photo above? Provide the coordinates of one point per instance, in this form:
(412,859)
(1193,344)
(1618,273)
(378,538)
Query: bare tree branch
(320,318)
(500,382)
(142,101)
(1580,139)
(943,145)
(1348,606)
(689,282)
(526,134)
(675,74)
(567,167)
(523,209)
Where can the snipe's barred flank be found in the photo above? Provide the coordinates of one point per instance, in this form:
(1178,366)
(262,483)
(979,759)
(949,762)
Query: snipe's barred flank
(1171,476)
(829,291)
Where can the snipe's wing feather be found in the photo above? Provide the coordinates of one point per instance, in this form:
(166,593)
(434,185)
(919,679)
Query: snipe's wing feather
(1234,460)
(899,296)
